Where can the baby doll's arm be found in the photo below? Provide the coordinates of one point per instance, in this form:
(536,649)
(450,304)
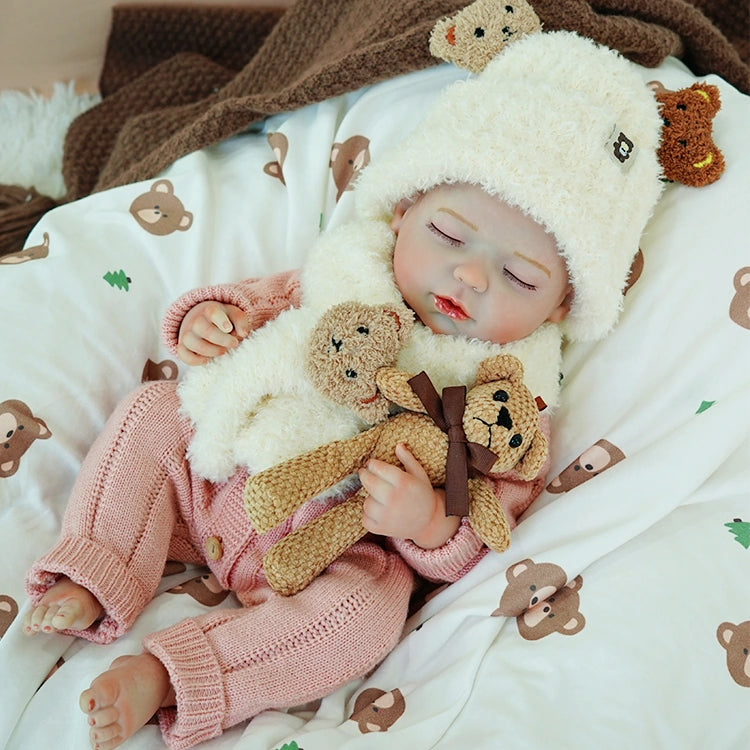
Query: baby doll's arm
(261,299)
(447,563)
(464,550)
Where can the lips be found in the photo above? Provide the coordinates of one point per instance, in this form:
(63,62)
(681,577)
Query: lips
(451,308)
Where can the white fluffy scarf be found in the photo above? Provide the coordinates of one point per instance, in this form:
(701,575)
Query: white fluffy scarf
(255,407)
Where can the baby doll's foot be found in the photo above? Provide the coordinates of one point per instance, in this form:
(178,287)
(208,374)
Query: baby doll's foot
(122,699)
(64,606)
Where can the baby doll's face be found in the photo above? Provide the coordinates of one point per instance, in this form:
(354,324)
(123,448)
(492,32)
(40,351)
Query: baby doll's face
(467,263)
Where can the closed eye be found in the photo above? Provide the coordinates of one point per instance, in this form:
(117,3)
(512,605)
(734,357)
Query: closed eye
(515,280)
(443,236)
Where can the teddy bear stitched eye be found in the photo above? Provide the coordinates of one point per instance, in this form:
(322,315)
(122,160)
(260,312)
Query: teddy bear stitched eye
(364,330)
(351,373)
(683,107)
(500,395)
(508,8)
(479,32)
(682,143)
(515,441)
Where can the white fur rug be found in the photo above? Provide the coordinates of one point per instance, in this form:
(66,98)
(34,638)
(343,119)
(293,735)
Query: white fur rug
(32,132)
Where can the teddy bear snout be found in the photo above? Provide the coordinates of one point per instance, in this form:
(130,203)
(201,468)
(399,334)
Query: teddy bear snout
(504,419)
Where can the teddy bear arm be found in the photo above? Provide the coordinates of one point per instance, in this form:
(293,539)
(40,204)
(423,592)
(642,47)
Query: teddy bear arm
(274,494)
(294,561)
(393,384)
(534,458)
(487,517)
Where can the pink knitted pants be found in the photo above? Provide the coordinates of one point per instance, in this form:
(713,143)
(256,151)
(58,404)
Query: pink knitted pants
(136,504)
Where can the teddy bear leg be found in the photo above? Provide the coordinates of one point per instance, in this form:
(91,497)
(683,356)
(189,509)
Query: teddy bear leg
(299,557)
(487,517)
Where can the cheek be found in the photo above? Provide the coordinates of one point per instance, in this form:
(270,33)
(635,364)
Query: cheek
(406,265)
(511,320)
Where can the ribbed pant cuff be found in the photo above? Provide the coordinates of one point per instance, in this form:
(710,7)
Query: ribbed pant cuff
(99,571)
(196,677)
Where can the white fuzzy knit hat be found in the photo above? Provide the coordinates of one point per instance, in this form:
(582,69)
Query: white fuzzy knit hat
(562,128)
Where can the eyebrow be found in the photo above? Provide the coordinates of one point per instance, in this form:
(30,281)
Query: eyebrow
(534,263)
(460,218)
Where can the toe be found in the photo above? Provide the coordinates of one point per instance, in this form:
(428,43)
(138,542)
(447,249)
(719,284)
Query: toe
(65,617)
(36,618)
(104,718)
(110,733)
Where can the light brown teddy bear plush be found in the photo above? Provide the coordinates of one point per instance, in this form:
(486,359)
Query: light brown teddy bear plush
(474,35)
(499,427)
(349,344)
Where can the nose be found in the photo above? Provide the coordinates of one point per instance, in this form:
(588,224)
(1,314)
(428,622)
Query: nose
(473,274)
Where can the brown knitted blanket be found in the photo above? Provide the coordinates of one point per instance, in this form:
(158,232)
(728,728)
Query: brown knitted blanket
(178,78)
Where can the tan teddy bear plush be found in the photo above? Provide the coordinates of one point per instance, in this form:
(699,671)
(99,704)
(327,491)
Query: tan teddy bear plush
(474,35)
(350,343)
(497,431)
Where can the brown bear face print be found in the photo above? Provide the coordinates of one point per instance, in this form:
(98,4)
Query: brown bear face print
(35,252)
(164,370)
(205,589)
(19,428)
(739,308)
(594,460)
(8,612)
(279,143)
(736,640)
(159,211)
(377,711)
(538,596)
(347,160)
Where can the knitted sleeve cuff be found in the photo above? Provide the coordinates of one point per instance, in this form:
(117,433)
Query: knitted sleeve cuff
(261,299)
(196,677)
(447,563)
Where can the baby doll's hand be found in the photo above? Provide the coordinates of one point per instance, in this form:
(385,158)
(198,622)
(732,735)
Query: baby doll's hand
(404,504)
(209,330)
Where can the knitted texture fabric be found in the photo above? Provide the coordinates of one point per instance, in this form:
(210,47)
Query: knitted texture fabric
(176,79)
(500,414)
(260,299)
(136,503)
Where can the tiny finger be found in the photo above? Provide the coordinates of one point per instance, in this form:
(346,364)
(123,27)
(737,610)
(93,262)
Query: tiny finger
(220,319)
(240,322)
(410,463)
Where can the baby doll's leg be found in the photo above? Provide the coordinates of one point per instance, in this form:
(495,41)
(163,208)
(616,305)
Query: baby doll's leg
(120,520)
(64,606)
(122,699)
(278,652)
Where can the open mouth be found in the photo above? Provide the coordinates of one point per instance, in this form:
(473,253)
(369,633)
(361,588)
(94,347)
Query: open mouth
(450,307)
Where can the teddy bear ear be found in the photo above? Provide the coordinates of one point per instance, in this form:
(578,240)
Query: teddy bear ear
(657,87)
(404,320)
(499,367)
(533,460)
(711,94)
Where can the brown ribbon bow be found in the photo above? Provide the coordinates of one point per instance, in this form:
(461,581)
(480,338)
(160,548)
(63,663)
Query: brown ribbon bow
(464,457)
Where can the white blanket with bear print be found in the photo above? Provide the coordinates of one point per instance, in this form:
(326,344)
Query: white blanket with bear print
(620,615)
